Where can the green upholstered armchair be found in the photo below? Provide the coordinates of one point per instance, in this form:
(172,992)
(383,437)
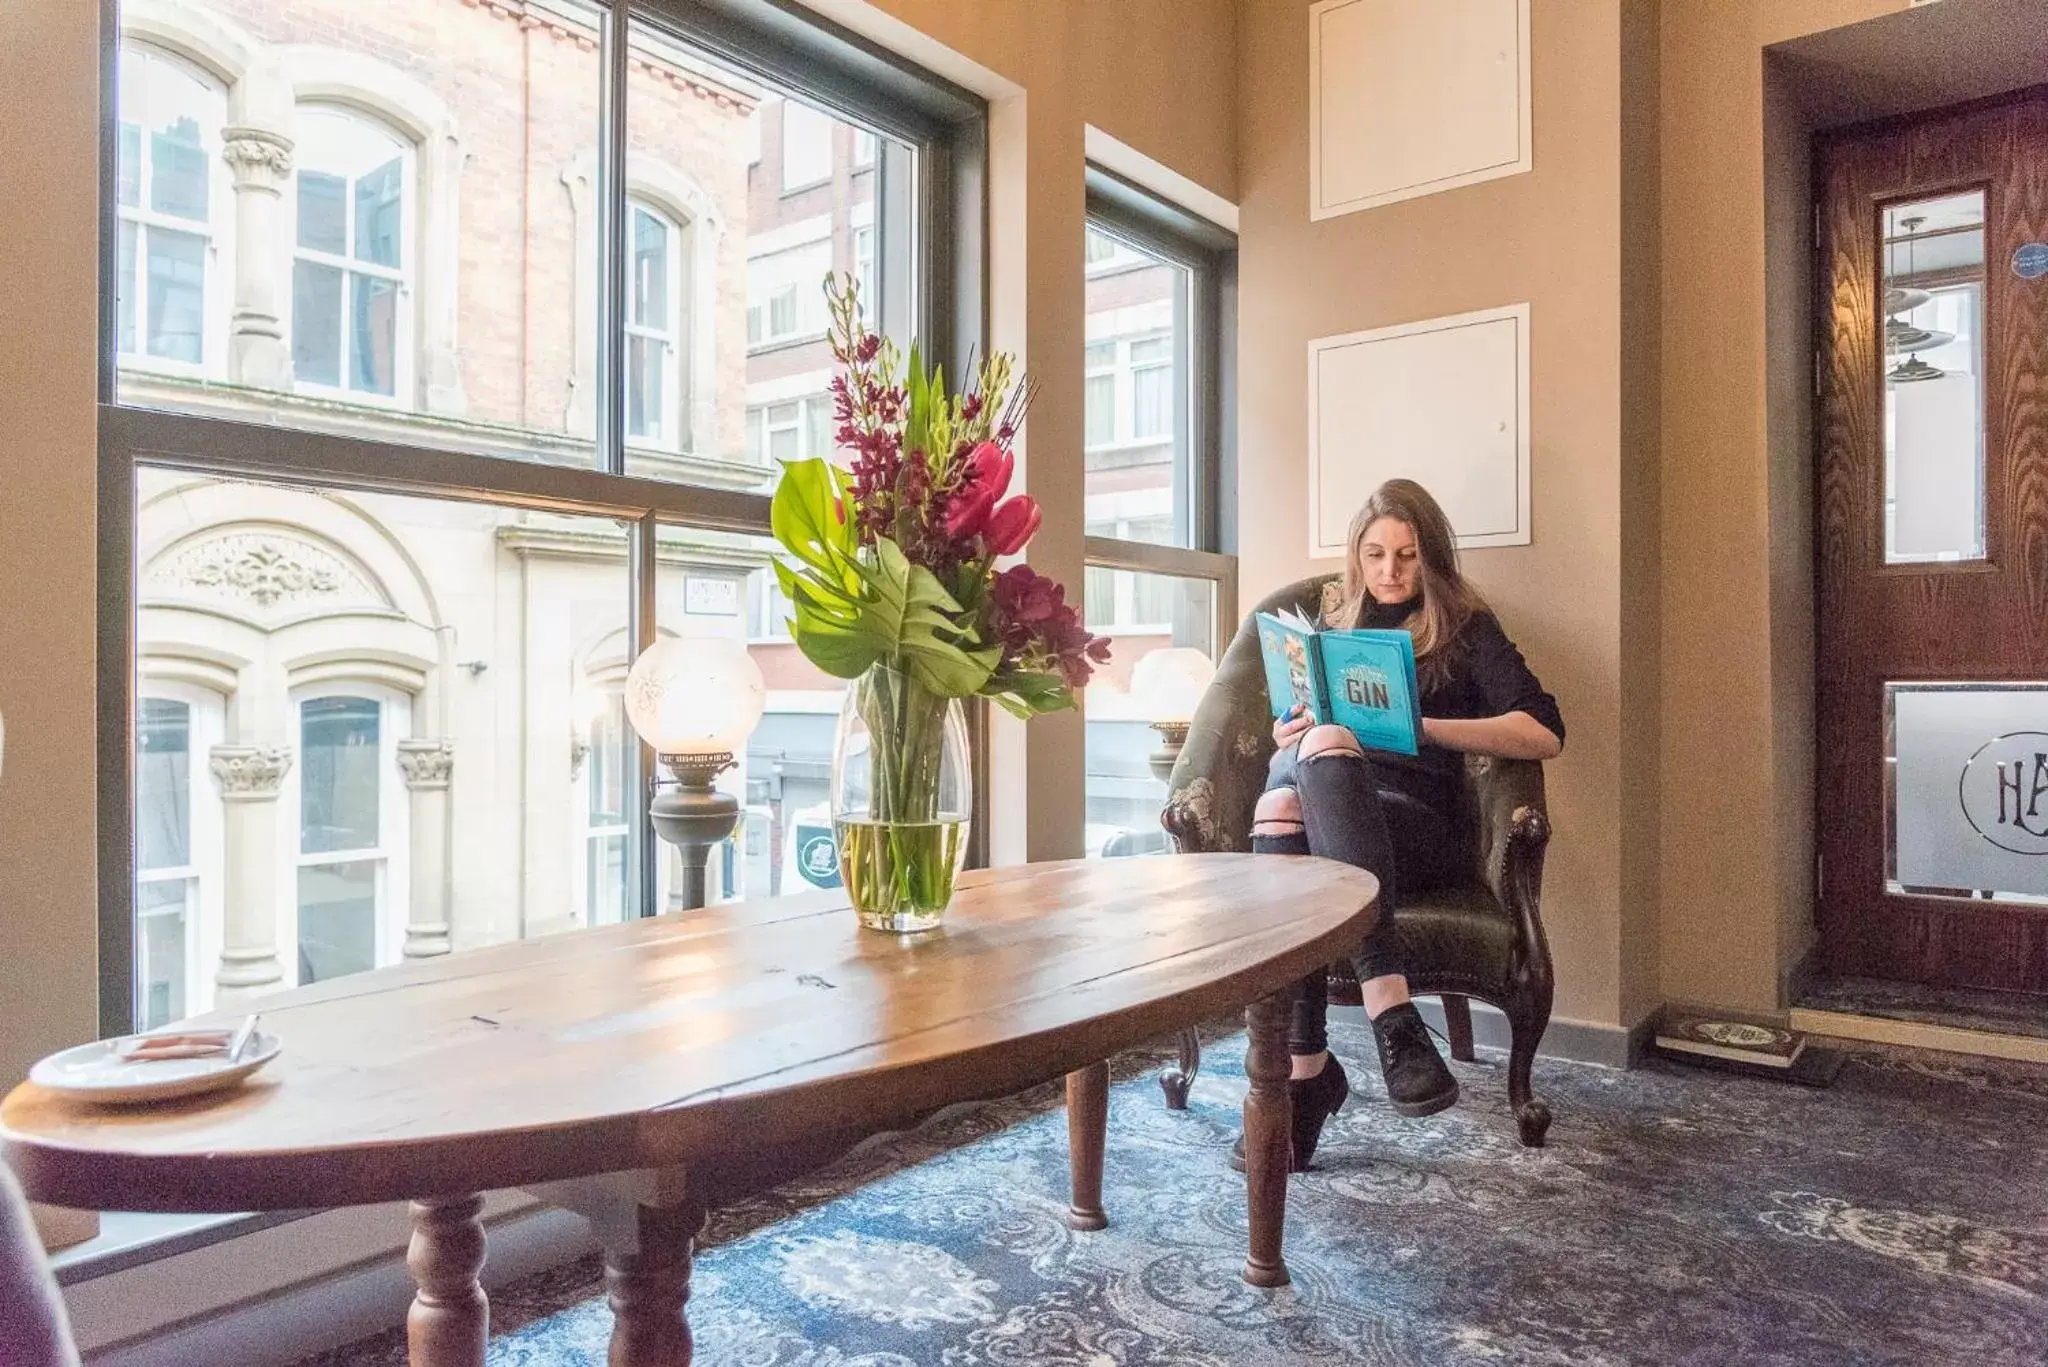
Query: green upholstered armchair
(1483,938)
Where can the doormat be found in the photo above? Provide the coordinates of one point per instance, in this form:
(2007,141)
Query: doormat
(1744,1047)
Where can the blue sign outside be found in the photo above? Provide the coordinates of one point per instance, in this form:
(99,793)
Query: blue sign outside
(2030,262)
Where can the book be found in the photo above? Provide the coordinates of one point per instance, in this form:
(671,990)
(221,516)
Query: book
(1362,680)
(1759,1046)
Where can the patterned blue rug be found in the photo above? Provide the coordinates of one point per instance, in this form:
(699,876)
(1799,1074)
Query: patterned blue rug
(1678,1216)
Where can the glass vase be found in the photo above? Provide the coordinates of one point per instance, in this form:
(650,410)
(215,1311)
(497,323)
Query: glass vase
(902,793)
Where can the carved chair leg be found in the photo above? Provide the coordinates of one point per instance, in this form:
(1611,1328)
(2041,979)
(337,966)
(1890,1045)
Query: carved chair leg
(1526,1023)
(1087,1133)
(449,1323)
(1180,1075)
(648,1287)
(1268,1144)
(1458,1021)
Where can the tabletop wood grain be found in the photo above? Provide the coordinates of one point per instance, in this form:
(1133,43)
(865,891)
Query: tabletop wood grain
(678,1040)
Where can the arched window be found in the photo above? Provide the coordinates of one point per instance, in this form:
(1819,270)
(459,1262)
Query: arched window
(351,836)
(171,186)
(351,281)
(654,329)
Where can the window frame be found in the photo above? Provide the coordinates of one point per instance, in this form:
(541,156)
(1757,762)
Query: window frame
(1203,506)
(205,717)
(932,283)
(590,834)
(215,232)
(351,267)
(394,819)
(670,437)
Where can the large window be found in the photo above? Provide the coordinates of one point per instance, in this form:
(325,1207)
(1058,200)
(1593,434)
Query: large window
(350,330)
(1159,572)
(169,186)
(377,681)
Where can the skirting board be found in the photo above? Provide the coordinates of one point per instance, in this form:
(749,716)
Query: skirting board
(1610,1046)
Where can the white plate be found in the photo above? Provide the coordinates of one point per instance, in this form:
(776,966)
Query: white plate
(95,1072)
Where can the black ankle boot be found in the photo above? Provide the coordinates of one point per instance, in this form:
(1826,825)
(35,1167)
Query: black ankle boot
(1311,1102)
(1418,1083)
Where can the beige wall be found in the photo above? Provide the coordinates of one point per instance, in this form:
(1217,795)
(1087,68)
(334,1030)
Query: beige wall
(1552,237)
(49,109)
(1736,854)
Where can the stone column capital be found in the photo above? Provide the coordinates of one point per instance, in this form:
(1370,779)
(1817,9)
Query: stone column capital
(260,158)
(426,764)
(249,773)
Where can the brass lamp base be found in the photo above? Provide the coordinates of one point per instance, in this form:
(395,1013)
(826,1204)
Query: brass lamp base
(1172,736)
(693,816)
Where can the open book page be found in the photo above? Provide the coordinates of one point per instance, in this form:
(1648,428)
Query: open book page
(1293,618)
(1292,669)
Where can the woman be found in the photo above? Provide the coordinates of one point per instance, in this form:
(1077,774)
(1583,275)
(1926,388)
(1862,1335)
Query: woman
(1394,814)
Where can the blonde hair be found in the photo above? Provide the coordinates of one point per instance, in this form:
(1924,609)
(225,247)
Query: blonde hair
(1446,601)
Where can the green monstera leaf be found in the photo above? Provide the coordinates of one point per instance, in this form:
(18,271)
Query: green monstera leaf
(1025,694)
(854,611)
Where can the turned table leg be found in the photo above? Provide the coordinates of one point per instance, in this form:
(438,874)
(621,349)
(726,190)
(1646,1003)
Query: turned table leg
(450,1319)
(648,1285)
(1087,1130)
(1267,1145)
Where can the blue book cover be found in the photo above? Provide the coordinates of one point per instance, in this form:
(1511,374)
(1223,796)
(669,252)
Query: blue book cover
(1361,680)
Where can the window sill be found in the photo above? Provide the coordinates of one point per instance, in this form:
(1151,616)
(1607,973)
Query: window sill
(130,1239)
(792,191)
(784,343)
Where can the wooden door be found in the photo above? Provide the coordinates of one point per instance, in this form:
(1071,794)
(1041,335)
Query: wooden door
(1932,690)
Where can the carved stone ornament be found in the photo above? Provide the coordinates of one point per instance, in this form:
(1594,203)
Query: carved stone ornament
(267,570)
(426,763)
(257,154)
(249,773)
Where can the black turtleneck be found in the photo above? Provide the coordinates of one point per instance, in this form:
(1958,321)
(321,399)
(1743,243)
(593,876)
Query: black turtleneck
(1484,675)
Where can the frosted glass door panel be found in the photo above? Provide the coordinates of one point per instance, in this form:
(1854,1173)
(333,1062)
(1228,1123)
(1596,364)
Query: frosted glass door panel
(1969,791)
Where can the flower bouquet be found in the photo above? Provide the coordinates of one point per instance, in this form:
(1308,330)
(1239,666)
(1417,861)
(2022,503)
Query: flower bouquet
(891,573)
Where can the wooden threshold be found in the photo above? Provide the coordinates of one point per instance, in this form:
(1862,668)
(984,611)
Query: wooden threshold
(1916,1035)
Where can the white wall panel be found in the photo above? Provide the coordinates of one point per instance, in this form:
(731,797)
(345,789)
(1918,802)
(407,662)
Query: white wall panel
(1444,402)
(1409,98)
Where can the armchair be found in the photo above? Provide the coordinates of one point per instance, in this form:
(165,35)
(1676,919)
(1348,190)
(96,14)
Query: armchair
(1482,938)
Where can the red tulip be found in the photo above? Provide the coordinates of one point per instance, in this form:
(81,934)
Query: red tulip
(989,469)
(992,468)
(968,512)
(1012,524)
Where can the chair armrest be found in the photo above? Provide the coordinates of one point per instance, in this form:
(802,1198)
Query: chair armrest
(1221,771)
(1514,831)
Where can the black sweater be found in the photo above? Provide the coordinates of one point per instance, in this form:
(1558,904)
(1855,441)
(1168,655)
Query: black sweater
(1485,676)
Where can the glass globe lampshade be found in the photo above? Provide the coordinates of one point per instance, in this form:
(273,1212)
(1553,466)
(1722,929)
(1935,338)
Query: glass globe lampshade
(1168,683)
(700,695)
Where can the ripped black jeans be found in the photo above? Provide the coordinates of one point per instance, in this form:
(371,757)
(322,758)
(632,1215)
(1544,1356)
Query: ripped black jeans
(1349,813)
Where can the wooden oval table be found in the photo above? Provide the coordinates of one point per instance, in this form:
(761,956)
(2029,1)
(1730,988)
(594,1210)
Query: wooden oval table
(642,1073)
